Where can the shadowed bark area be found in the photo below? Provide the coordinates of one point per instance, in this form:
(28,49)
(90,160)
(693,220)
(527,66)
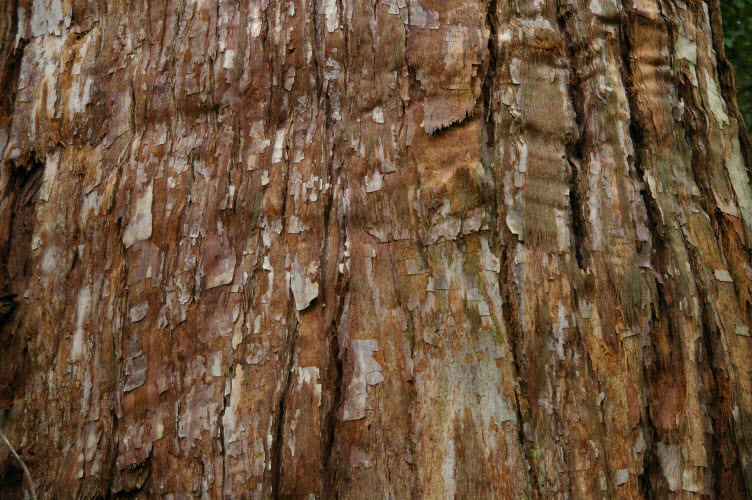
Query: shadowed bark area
(402,248)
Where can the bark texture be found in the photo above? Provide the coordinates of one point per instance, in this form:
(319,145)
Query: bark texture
(388,248)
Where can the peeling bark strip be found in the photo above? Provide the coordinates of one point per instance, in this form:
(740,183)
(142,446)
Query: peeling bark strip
(403,248)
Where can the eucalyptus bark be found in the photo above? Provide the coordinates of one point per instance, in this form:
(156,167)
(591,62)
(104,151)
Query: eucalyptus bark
(399,248)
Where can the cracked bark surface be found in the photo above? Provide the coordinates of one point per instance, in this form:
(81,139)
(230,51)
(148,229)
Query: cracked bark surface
(401,248)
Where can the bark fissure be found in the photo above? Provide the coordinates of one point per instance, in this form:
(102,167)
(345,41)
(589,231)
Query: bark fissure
(575,145)
(332,420)
(650,465)
(278,443)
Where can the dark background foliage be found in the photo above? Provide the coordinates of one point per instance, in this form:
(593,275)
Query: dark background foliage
(737,30)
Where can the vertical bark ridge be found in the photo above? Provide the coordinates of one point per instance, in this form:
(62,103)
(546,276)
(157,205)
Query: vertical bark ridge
(722,136)
(712,149)
(705,280)
(666,450)
(543,330)
(607,248)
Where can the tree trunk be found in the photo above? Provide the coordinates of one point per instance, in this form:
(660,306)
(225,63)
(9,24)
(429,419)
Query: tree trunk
(424,248)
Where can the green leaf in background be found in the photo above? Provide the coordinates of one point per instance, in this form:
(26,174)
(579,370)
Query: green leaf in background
(737,31)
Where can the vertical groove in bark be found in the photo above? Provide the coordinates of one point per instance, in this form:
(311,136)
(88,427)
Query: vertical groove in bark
(670,344)
(651,465)
(278,440)
(331,422)
(11,52)
(575,143)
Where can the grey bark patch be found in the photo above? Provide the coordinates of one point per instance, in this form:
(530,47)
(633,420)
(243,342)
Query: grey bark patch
(723,275)
(303,290)
(140,226)
(137,313)
(367,371)
(135,372)
(621,476)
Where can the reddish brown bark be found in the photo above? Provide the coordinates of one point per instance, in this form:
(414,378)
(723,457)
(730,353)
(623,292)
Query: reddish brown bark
(406,248)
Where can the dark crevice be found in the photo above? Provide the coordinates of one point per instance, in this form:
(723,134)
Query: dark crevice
(285,173)
(578,57)
(489,108)
(501,234)
(10,62)
(221,424)
(522,405)
(639,143)
(659,254)
(292,335)
(276,451)
(19,197)
(268,42)
(11,479)
(334,370)
(279,423)
(575,145)
(134,480)
(335,374)
(727,477)
(111,451)
(317,58)
(651,467)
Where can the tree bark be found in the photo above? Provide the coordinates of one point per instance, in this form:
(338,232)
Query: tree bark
(400,248)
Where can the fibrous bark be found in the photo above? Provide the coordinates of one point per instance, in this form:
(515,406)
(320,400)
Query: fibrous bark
(400,248)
